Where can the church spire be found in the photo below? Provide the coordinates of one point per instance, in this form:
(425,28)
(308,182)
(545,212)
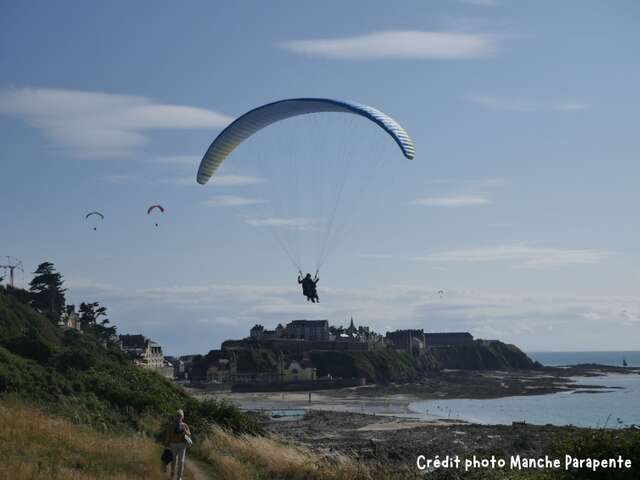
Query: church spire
(352,328)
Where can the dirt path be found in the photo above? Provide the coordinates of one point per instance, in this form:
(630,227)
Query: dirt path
(196,470)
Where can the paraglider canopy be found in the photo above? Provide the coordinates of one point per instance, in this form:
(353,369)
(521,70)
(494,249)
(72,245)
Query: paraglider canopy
(257,119)
(160,208)
(97,215)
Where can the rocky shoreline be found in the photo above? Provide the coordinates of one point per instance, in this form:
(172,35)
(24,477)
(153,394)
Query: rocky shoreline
(438,385)
(399,441)
(332,422)
(448,384)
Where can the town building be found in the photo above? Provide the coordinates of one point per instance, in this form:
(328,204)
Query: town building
(416,340)
(144,352)
(300,336)
(310,330)
(408,340)
(178,367)
(69,318)
(287,371)
(224,370)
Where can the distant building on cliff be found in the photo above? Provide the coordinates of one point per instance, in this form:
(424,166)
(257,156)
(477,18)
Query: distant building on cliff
(408,340)
(416,340)
(301,336)
(145,353)
(310,330)
(69,318)
(258,332)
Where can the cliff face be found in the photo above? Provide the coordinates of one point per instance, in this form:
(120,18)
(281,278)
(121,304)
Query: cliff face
(387,365)
(482,355)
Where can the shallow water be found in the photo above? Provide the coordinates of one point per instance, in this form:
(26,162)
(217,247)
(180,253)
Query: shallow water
(609,408)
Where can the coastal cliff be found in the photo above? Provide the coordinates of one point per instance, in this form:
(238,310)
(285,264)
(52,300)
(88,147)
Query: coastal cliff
(388,365)
(382,364)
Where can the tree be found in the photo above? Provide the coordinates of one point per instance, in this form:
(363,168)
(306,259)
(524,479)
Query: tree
(47,294)
(90,314)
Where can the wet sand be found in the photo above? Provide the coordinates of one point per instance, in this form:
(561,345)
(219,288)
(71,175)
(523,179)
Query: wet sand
(373,422)
(394,399)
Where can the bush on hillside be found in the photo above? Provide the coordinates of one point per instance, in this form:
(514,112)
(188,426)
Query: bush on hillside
(75,375)
(601,444)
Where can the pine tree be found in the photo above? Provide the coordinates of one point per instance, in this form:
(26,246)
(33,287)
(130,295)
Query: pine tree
(47,294)
(90,314)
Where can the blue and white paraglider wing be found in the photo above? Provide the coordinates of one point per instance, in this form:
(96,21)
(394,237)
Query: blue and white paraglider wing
(257,119)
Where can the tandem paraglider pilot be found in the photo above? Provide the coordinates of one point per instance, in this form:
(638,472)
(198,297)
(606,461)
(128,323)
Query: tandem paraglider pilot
(309,286)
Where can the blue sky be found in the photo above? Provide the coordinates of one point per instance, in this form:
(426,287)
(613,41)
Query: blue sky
(521,203)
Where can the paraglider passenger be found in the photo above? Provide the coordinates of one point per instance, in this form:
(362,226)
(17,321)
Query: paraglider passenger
(309,287)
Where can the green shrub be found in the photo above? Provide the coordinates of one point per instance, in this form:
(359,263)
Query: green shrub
(76,376)
(601,444)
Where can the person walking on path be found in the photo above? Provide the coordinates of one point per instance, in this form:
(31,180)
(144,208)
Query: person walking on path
(177,439)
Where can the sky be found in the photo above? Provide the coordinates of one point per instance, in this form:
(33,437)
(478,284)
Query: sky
(521,203)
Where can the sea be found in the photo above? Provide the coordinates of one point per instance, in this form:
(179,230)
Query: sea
(555,359)
(616,406)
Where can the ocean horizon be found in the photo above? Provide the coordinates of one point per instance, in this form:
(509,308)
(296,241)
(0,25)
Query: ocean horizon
(601,357)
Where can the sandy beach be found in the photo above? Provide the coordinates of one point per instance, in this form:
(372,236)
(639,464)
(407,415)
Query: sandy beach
(375,422)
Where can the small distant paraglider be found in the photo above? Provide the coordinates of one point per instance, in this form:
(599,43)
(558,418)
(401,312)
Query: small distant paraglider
(94,216)
(441,293)
(152,208)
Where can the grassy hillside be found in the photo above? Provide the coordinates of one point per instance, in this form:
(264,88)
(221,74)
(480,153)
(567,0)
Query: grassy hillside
(376,366)
(248,457)
(385,365)
(37,446)
(74,375)
(482,355)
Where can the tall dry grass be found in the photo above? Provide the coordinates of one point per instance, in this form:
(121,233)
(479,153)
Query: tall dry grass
(247,457)
(36,446)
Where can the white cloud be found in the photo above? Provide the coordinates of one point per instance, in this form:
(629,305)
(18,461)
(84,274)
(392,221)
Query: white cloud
(530,321)
(474,184)
(189,160)
(522,256)
(100,124)
(378,256)
(176,181)
(232,201)
(217,181)
(524,105)
(298,223)
(399,44)
(452,201)
(234,180)
(465,193)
